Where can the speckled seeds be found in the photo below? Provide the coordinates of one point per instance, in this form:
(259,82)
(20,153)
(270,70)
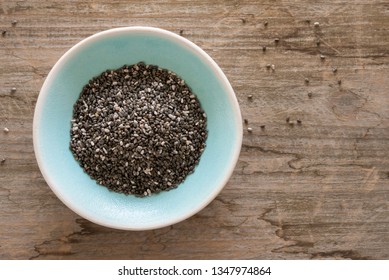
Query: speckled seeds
(138,129)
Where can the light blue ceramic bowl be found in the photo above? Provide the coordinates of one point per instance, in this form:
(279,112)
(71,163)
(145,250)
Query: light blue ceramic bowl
(110,50)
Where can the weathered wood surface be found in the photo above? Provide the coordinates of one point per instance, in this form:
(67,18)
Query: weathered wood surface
(310,191)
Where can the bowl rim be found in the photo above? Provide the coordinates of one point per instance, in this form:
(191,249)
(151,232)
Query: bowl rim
(192,47)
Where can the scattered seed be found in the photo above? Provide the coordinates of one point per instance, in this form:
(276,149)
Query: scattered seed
(310,94)
(13,90)
(291,123)
(264,48)
(277,40)
(14,22)
(273,67)
(316,24)
(334,69)
(250,96)
(318,43)
(339,82)
(308,21)
(249,129)
(265,23)
(246,121)
(181,32)
(6,130)
(322,57)
(306,80)
(268,66)
(299,121)
(2,161)
(243,20)
(262,126)
(3,33)
(287,119)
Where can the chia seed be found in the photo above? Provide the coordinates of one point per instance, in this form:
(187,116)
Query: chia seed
(138,130)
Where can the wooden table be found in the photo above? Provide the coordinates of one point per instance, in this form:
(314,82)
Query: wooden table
(312,190)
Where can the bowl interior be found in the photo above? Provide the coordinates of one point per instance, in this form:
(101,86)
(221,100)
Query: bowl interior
(109,50)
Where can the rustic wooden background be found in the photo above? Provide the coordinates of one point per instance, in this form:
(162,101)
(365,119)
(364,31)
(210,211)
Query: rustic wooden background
(315,190)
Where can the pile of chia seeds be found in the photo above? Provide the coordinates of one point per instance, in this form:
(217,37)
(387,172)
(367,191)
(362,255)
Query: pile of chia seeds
(138,129)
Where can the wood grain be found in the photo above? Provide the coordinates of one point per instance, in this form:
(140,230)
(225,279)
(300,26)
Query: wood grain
(316,190)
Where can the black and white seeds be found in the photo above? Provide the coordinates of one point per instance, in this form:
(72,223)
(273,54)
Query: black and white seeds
(138,130)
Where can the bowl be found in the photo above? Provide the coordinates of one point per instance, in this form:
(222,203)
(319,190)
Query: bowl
(112,49)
